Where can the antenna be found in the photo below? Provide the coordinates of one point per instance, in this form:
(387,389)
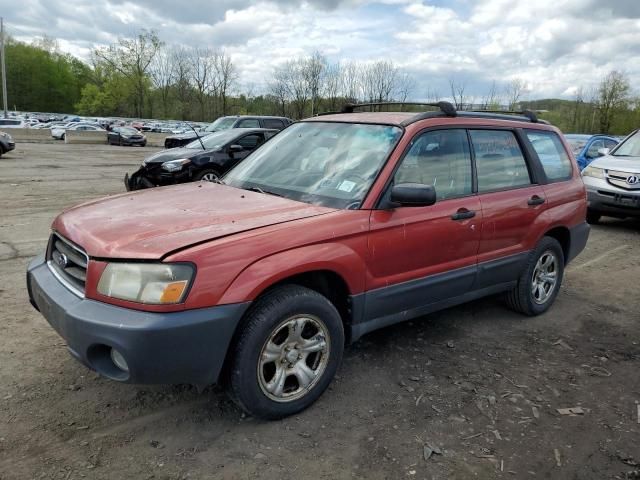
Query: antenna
(194,131)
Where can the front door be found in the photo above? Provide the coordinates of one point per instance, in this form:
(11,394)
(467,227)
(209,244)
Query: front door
(422,255)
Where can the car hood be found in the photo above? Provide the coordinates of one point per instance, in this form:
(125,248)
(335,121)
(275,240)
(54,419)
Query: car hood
(623,164)
(152,223)
(172,154)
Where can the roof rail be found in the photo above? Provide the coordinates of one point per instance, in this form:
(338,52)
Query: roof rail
(445,107)
(530,114)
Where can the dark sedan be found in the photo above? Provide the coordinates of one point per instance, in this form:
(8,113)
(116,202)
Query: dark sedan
(126,136)
(205,159)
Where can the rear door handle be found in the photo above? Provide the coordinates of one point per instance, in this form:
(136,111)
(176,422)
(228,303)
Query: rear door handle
(463,214)
(535,200)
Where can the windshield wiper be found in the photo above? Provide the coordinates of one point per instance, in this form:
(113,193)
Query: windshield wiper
(260,190)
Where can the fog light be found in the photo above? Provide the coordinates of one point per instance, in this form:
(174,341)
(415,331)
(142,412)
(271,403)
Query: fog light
(119,360)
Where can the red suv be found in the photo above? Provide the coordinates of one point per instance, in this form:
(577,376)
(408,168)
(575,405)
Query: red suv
(340,225)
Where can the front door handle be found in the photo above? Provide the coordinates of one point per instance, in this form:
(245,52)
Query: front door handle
(535,200)
(463,214)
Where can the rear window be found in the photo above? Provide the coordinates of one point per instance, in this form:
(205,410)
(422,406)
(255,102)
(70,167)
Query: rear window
(499,161)
(552,155)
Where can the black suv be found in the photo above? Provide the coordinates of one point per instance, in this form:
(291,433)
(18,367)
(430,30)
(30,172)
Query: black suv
(6,143)
(225,123)
(206,158)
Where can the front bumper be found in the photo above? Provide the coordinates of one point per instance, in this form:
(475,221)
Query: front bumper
(144,178)
(609,200)
(8,146)
(159,348)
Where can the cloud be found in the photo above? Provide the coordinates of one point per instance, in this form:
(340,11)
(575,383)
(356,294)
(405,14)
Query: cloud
(554,45)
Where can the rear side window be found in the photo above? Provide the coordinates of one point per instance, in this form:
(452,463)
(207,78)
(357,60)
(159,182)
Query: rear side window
(440,158)
(552,155)
(499,161)
(249,123)
(273,123)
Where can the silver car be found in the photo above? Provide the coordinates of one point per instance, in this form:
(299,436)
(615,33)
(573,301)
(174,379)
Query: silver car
(613,181)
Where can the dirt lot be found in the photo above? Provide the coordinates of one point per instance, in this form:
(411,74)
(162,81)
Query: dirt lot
(478,384)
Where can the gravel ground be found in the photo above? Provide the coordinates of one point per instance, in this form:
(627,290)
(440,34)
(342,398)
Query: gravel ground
(470,392)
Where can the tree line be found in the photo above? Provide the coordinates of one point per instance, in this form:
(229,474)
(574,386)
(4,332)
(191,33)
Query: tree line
(142,77)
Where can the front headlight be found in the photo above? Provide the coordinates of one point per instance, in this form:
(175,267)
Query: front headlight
(175,165)
(152,283)
(594,172)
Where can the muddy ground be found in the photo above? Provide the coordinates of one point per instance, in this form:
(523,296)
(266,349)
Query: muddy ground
(479,385)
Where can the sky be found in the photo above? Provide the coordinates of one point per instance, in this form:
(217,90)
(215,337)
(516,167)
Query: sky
(554,46)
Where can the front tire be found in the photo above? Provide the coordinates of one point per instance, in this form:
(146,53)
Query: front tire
(539,283)
(287,352)
(208,176)
(593,217)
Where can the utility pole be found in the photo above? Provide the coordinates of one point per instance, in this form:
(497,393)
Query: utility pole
(4,70)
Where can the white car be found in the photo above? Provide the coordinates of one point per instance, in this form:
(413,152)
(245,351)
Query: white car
(12,123)
(59,133)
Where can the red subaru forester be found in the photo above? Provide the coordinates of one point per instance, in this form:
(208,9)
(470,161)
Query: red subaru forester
(340,225)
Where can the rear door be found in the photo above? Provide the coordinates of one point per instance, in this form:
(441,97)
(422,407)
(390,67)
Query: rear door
(419,256)
(511,201)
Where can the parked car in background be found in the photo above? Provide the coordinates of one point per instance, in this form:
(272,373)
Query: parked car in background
(6,143)
(339,225)
(224,123)
(126,136)
(206,159)
(585,147)
(59,133)
(11,123)
(613,181)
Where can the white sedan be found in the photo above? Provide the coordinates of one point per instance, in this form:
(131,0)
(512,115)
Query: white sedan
(60,131)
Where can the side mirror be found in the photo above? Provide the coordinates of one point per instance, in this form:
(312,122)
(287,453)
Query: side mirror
(413,195)
(235,148)
(603,151)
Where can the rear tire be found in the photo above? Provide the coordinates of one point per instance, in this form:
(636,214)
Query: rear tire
(540,280)
(593,217)
(287,352)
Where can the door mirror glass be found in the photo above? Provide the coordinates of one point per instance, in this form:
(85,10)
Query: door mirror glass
(603,151)
(413,194)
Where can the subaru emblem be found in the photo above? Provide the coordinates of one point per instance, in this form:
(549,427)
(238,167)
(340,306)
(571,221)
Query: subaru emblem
(61,259)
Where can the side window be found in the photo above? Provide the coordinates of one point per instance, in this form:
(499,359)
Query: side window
(440,158)
(609,144)
(250,141)
(249,123)
(273,123)
(596,145)
(552,155)
(499,160)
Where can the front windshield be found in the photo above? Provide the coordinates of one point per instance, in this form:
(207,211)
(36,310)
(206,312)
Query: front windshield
(222,123)
(214,140)
(630,147)
(128,131)
(324,163)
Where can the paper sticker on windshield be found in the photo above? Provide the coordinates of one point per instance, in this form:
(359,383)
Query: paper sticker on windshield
(346,186)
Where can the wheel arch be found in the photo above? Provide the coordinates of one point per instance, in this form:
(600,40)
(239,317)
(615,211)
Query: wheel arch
(563,236)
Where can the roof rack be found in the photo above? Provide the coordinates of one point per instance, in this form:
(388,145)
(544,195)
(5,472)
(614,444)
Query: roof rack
(445,107)
(530,114)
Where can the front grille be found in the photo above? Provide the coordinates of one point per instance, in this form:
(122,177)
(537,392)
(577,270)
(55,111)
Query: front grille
(619,179)
(68,262)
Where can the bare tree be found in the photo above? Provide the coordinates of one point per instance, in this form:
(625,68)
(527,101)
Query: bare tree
(613,95)
(279,88)
(313,70)
(351,79)
(132,57)
(203,63)
(182,79)
(227,76)
(515,90)
(333,85)
(161,72)
(458,93)
(379,80)
(406,84)
(433,95)
(491,101)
